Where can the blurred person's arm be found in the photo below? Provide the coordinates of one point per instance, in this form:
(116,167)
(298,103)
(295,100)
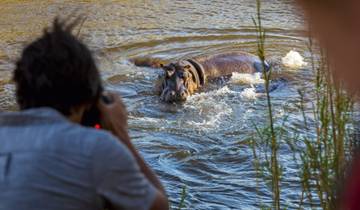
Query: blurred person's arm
(114,119)
(336,25)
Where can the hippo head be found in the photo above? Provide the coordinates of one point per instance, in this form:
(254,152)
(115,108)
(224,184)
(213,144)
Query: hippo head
(179,81)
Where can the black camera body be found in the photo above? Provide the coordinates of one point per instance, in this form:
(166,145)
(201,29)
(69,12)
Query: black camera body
(92,117)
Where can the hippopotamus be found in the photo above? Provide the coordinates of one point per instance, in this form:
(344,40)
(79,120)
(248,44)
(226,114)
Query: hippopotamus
(184,77)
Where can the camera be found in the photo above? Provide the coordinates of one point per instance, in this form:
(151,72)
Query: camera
(92,117)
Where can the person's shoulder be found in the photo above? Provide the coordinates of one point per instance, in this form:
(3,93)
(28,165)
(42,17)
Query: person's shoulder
(75,138)
(102,138)
(107,143)
(111,154)
(102,142)
(90,133)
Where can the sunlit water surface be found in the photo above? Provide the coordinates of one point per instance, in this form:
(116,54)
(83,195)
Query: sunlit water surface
(204,143)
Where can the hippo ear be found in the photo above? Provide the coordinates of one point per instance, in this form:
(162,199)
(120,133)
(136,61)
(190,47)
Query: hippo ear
(169,72)
(187,67)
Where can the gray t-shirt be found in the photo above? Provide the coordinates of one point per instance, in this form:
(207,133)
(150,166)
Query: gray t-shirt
(47,162)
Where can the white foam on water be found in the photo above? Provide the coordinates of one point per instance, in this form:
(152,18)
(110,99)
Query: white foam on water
(249,93)
(213,119)
(146,119)
(293,60)
(210,107)
(208,95)
(246,78)
(148,122)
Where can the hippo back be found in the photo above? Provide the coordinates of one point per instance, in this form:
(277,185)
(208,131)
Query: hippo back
(225,64)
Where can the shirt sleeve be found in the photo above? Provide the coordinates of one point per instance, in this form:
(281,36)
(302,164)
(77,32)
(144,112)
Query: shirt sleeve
(118,178)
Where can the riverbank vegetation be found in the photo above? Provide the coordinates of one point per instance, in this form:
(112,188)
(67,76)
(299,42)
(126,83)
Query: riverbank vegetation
(321,148)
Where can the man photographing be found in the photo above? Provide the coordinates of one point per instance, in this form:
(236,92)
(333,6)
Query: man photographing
(48,160)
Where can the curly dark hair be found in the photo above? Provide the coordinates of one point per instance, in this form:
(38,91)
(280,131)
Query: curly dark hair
(58,71)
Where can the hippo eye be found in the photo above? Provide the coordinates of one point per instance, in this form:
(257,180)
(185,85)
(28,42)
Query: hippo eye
(184,75)
(169,72)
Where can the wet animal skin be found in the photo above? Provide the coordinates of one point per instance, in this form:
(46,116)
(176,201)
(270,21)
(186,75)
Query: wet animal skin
(183,78)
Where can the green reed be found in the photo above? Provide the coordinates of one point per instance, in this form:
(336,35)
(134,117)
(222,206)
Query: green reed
(326,157)
(182,198)
(322,158)
(274,166)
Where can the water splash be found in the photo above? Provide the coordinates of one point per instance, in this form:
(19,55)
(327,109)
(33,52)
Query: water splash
(245,78)
(198,97)
(249,93)
(293,60)
(211,106)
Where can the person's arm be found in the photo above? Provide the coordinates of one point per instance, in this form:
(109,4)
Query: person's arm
(114,119)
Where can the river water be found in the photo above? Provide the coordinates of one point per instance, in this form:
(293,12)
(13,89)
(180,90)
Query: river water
(204,143)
